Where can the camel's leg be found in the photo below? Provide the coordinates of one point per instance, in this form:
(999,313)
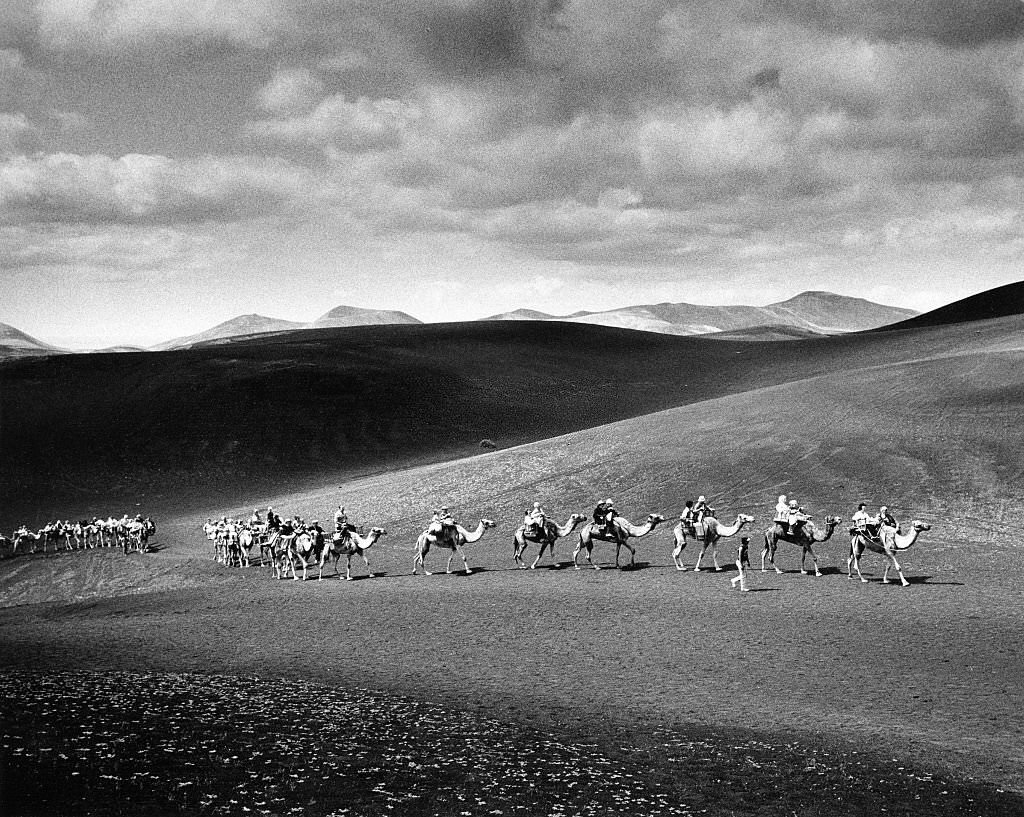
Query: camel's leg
(714,557)
(677,554)
(856,563)
(576,553)
(465,561)
(366,562)
(590,556)
(885,576)
(632,554)
(696,567)
(348,567)
(543,545)
(814,557)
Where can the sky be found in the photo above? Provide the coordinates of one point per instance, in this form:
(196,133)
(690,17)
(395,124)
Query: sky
(166,165)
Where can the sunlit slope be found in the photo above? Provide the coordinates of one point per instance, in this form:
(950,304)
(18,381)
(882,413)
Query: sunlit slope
(937,439)
(81,431)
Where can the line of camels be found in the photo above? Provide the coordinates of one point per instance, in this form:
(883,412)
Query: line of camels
(302,550)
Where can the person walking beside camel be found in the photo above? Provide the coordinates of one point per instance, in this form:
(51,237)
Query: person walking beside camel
(742,558)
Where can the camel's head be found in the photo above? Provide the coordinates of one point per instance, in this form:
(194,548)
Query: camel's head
(578,517)
(918,525)
(378,532)
(833,520)
(745,518)
(655,518)
(487,523)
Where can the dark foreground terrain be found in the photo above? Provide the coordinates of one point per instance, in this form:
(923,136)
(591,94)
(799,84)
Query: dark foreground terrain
(638,691)
(146,743)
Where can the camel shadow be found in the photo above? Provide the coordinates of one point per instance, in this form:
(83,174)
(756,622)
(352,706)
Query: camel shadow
(927,580)
(379,574)
(630,568)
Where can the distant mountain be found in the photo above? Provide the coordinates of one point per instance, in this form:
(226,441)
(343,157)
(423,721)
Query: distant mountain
(15,343)
(810,312)
(523,315)
(236,327)
(245,325)
(354,316)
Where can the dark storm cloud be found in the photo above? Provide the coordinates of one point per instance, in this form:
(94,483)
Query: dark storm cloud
(957,23)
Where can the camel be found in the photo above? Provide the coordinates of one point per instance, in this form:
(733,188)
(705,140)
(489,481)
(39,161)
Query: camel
(22,536)
(805,536)
(351,545)
(715,530)
(452,537)
(551,533)
(307,548)
(619,531)
(889,541)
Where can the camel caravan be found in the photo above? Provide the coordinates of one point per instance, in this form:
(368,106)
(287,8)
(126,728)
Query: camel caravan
(289,544)
(132,535)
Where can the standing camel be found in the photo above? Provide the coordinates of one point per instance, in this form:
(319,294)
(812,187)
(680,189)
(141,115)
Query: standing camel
(889,541)
(546,538)
(618,530)
(715,530)
(452,537)
(804,536)
(351,544)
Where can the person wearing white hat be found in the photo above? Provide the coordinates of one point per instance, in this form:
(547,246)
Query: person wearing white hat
(534,519)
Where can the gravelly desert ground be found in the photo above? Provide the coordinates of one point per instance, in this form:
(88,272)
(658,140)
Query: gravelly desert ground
(662,672)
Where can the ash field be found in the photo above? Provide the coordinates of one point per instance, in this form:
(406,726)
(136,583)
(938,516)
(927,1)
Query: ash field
(164,683)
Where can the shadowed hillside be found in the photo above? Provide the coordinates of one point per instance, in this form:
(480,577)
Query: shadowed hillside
(993,303)
(329,404)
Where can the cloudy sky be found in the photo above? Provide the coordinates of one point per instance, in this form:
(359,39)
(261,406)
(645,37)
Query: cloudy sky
(169,164)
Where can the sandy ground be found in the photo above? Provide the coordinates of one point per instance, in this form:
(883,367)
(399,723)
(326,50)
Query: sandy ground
(929,674)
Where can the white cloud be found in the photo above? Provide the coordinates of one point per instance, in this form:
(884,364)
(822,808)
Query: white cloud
(145,189)
(361,125)
(291,91)
(112,24)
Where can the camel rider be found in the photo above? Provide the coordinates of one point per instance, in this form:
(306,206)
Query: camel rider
(887,519)
(782,512)
(255,519)
(273,520)
(864,523)
(441,519)
(534,519)
(797,517)
(861,518)
(341,525)
(604,513)
(688,517)
(701,509)
(318,534)
(288,527)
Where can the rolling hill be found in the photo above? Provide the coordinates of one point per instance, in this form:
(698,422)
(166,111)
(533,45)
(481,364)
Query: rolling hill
(925,419)
(16,344)
(808,312)
(302,405)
